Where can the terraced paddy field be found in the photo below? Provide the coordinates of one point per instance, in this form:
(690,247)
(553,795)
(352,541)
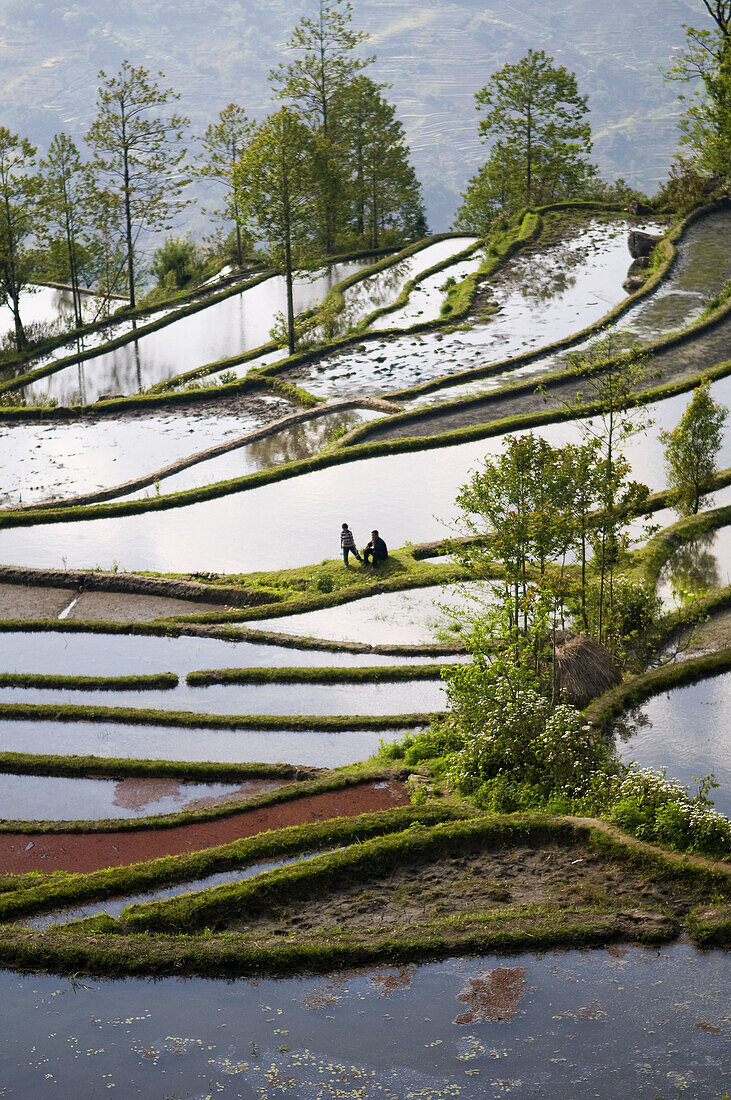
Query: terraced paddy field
(206,721)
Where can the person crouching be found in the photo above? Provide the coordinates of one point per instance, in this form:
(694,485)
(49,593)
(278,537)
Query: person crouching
(376,550)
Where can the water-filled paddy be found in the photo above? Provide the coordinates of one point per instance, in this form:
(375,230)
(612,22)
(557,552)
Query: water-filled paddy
(132,654)
(688,731)
(539,299)
(230,327)
(702,268)
(51,306)
(609,1022)
(288,445)
(699,565)
(57,798)
(383,287)
(414,617)
(352,699)
(42,461)
(409,497)
(114,906)
(426,298)
(316,748)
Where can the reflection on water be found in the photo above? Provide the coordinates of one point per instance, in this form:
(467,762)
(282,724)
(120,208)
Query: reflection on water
(45,461)
(701,270)
(535,300)
(129,654)
(691,572)
(384,287)
(425,300)
(688,731)
(617,1021)
(51,307)
(699,565)
(316,748)
(287,445)
(227,328)
(57,798)
(408,497)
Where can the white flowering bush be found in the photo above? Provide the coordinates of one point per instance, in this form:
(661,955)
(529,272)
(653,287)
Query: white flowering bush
(519,737)
(655,808)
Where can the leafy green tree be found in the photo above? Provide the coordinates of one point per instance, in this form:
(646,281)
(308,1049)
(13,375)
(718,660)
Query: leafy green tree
(611,378)
(64,198)
(495,190)
(520,507)
(537,121)
(325,62)
(176,263)
(706,63)
(382,189)
(691,450)
(223,144)
(275,191)
(139,156)
(18,212)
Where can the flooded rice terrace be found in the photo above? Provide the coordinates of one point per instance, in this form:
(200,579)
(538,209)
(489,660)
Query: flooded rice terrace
(239,323)
(315,748)
(263,528)
(533,301)
(621,1020)
(618,1021)
(688,731)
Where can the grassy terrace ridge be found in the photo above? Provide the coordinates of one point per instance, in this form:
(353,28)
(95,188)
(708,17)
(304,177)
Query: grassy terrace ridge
(91,951)
(303,788)
(124,767)
(184,719)
(160,680)
(207,908)
(636,689)
(355,453)
(376,674)
(134,944)
(33,893)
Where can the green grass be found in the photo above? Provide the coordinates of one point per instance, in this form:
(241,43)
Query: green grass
(357,674)
(47,893)
(184,719)
(160,681)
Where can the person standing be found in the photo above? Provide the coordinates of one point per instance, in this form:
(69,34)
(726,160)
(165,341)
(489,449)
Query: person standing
(347,544)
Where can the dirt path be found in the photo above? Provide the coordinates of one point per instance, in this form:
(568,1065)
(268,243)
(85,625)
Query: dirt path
(21,852)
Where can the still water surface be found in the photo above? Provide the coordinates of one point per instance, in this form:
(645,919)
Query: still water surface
(688,731)
(611,1022)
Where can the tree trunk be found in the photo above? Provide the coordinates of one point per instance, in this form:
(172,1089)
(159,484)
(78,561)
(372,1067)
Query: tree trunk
(288,263)
(128,216)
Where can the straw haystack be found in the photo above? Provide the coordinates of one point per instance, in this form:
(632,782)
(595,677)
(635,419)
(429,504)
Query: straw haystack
(584,668)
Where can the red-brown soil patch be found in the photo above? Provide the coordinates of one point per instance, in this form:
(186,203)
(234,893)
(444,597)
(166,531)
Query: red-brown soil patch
(92,851)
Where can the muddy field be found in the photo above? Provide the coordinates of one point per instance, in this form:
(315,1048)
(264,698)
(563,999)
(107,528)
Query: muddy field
(474,881)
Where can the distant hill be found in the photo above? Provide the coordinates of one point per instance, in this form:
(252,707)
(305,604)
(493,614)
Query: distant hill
(435,54)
